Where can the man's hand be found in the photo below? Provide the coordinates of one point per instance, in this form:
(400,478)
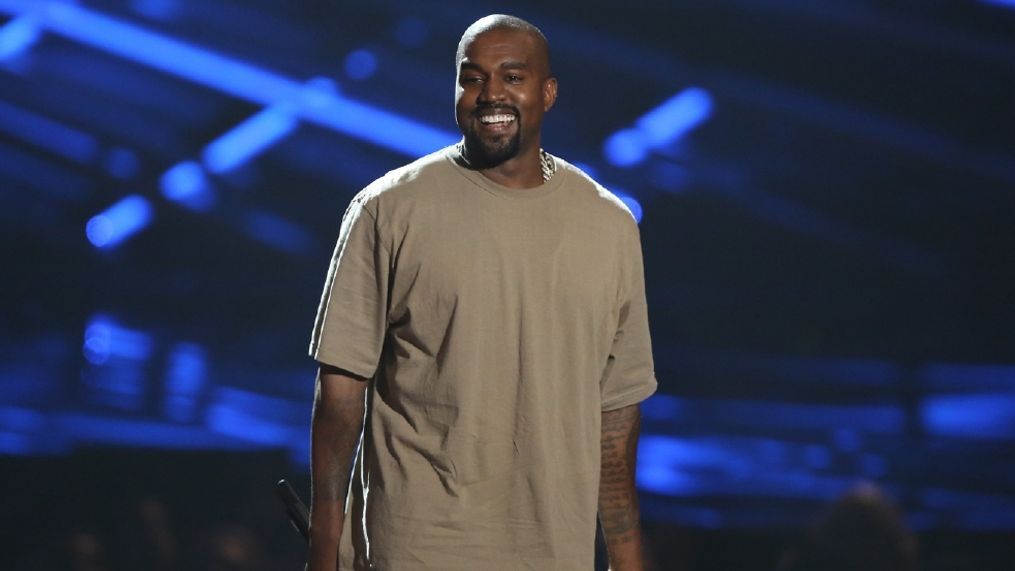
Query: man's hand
(618,500)
(335,431)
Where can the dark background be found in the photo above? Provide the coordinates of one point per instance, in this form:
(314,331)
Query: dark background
(826,200)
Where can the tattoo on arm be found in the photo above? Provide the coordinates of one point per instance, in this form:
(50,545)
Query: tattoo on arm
(618,500)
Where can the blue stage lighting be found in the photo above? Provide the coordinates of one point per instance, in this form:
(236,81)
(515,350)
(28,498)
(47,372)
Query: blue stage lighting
(97,342)
(981,416)
(318,93)
(232,422)
(877,418)
(186,377)
(276,408)
(381,127)
(1003,3)
(18,35)
(277,232)
(260,418)
(675,117)
(105,339)
(21,419)
(658,128)
(661,460)
(239,79)
(24,431)
(625,148)
(360,64)
(90,428)
(118,222)
(119,356)
(15,444)
(28,170)
(250,138)
(187,184)
(257,418)
(43,132)
(162,52)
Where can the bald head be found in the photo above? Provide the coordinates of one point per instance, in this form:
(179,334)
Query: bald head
(511,23)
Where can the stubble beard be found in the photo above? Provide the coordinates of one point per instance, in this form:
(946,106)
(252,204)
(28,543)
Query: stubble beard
(483,154)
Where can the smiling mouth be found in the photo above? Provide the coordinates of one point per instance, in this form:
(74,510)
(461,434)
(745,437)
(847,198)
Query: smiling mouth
(496,120)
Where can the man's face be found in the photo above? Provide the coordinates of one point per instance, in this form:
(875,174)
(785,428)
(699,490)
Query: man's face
(503,91)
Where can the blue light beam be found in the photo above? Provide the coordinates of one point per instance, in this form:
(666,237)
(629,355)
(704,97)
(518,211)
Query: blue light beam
(186,184)
(47,134)
(250,138)
(186,377)
(91,428)
(18,35)
(104,338)
(118,222)
(277,232)
(119,356)
(988,416)
(236,78)
(1002,3)
(164,53)
(380,127)
(660,127)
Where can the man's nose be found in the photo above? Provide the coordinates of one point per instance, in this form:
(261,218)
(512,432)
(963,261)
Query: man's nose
(493,90)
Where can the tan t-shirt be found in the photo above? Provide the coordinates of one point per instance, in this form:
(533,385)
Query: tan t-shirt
(496,325)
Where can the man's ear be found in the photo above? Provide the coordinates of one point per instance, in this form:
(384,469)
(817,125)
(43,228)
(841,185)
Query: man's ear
(549,93)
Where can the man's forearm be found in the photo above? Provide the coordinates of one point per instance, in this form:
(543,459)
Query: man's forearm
(618,499)
(337,423)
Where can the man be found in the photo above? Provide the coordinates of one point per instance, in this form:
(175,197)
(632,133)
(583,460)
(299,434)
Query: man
(484,312)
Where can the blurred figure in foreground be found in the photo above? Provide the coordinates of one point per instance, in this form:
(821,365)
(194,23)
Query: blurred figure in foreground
(862,531)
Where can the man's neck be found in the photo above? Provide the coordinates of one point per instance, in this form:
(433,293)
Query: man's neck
(522,171)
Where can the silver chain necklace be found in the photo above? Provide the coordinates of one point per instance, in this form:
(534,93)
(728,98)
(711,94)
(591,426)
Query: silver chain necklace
(546,163)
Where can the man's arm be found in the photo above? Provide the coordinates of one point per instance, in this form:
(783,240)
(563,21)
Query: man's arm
(618,500)
(335,430)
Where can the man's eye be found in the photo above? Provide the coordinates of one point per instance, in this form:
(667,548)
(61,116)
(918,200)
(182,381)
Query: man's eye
(514,78)
(471,80)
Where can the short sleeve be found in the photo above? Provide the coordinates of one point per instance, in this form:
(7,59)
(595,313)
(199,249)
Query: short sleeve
(629,376)
(351,320)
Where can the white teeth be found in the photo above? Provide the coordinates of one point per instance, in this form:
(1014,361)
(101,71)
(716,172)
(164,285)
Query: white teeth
(488,119)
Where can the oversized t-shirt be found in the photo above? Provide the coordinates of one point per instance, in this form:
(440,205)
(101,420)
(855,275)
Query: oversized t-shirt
(495,326)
